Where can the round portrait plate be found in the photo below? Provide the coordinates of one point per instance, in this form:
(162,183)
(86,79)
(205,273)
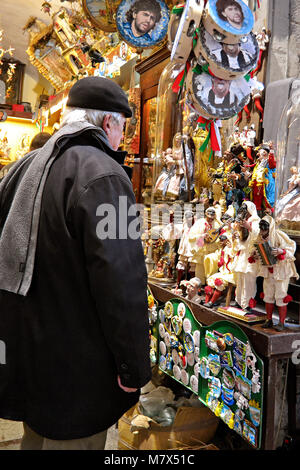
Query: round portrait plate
(142,26)
(228,22)
(215,98)
(227,61)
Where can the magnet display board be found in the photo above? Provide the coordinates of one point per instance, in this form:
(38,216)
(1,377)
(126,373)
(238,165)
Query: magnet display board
(215,362)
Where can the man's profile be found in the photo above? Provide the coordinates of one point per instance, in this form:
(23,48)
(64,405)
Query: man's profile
(142,17)
(231,11)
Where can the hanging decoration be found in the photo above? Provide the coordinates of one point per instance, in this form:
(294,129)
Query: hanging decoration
(139,32)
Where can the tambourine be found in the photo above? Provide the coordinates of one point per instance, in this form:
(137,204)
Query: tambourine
(189,21)
(172,29)
(227,61)
(228,21)
(215,98)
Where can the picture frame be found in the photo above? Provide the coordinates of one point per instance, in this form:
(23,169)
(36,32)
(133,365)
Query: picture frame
(238,22)
(101,13)
(228,61)
(215,98)
(142,23)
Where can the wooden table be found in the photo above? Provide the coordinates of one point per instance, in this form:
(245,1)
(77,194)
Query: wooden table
(270,345)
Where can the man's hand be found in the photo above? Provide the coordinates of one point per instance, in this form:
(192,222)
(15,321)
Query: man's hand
(126,389)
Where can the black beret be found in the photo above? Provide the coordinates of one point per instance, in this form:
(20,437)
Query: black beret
(99,93)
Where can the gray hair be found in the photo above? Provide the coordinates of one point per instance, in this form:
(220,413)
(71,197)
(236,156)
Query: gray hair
(92,116)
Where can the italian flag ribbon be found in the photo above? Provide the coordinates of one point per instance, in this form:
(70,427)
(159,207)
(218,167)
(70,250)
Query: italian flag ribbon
(256,5)
(213,135)
(178,9)
(179,81)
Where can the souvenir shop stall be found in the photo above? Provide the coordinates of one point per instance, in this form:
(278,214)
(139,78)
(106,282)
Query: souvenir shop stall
(221,219)
(221,245)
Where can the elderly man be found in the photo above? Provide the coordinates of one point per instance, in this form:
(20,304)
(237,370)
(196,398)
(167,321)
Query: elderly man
(73,304)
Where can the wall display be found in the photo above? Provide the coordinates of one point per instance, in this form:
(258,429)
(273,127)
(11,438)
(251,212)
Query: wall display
(153,320)
(189,21)
(215,98)
(102,13)
(228,20)
(179,343)
(227,61)
(217,363)
(230,381)
(142,23)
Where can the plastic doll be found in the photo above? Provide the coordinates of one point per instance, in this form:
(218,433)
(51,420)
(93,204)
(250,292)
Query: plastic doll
(288,207)
(173,190)
(163,179)
(184,251)
(246,229)
(199,242)
(278,275)
(192,289)
(263,175)
(217,283)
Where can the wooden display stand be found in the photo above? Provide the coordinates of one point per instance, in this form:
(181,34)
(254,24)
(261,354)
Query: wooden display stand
(272,347)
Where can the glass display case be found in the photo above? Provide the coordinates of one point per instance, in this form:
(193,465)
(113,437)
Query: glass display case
(173,161)
(287,209)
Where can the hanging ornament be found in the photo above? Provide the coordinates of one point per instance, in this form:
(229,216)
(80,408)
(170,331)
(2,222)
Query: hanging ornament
(46,7)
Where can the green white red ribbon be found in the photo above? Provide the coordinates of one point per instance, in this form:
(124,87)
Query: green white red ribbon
(213,135)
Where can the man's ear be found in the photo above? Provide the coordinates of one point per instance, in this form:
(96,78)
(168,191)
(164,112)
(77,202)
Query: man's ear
(106,122)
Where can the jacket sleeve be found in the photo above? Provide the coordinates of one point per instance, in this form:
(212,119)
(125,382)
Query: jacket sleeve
(115,266)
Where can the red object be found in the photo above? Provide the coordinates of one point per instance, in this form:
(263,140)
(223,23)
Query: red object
(251,260)
(256,70)
(252,303)
(213,136)
(240,117)
(288,299)
(262,295)
(269,310)
(208,293)
(18,107)
(281,257)
(51,97)
(247,111)
(282,313)
(249,153)
(218,282)
(258,105)
(215,296)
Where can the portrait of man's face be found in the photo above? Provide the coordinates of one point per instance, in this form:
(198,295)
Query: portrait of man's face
(143,22)
(220,87)
(232,50)
(231,11)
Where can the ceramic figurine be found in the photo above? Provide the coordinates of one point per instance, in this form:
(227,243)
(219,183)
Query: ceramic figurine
(276,260)
(200,242)
(246,229)
(218,282)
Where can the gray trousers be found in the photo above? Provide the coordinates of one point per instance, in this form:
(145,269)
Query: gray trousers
(33,441)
